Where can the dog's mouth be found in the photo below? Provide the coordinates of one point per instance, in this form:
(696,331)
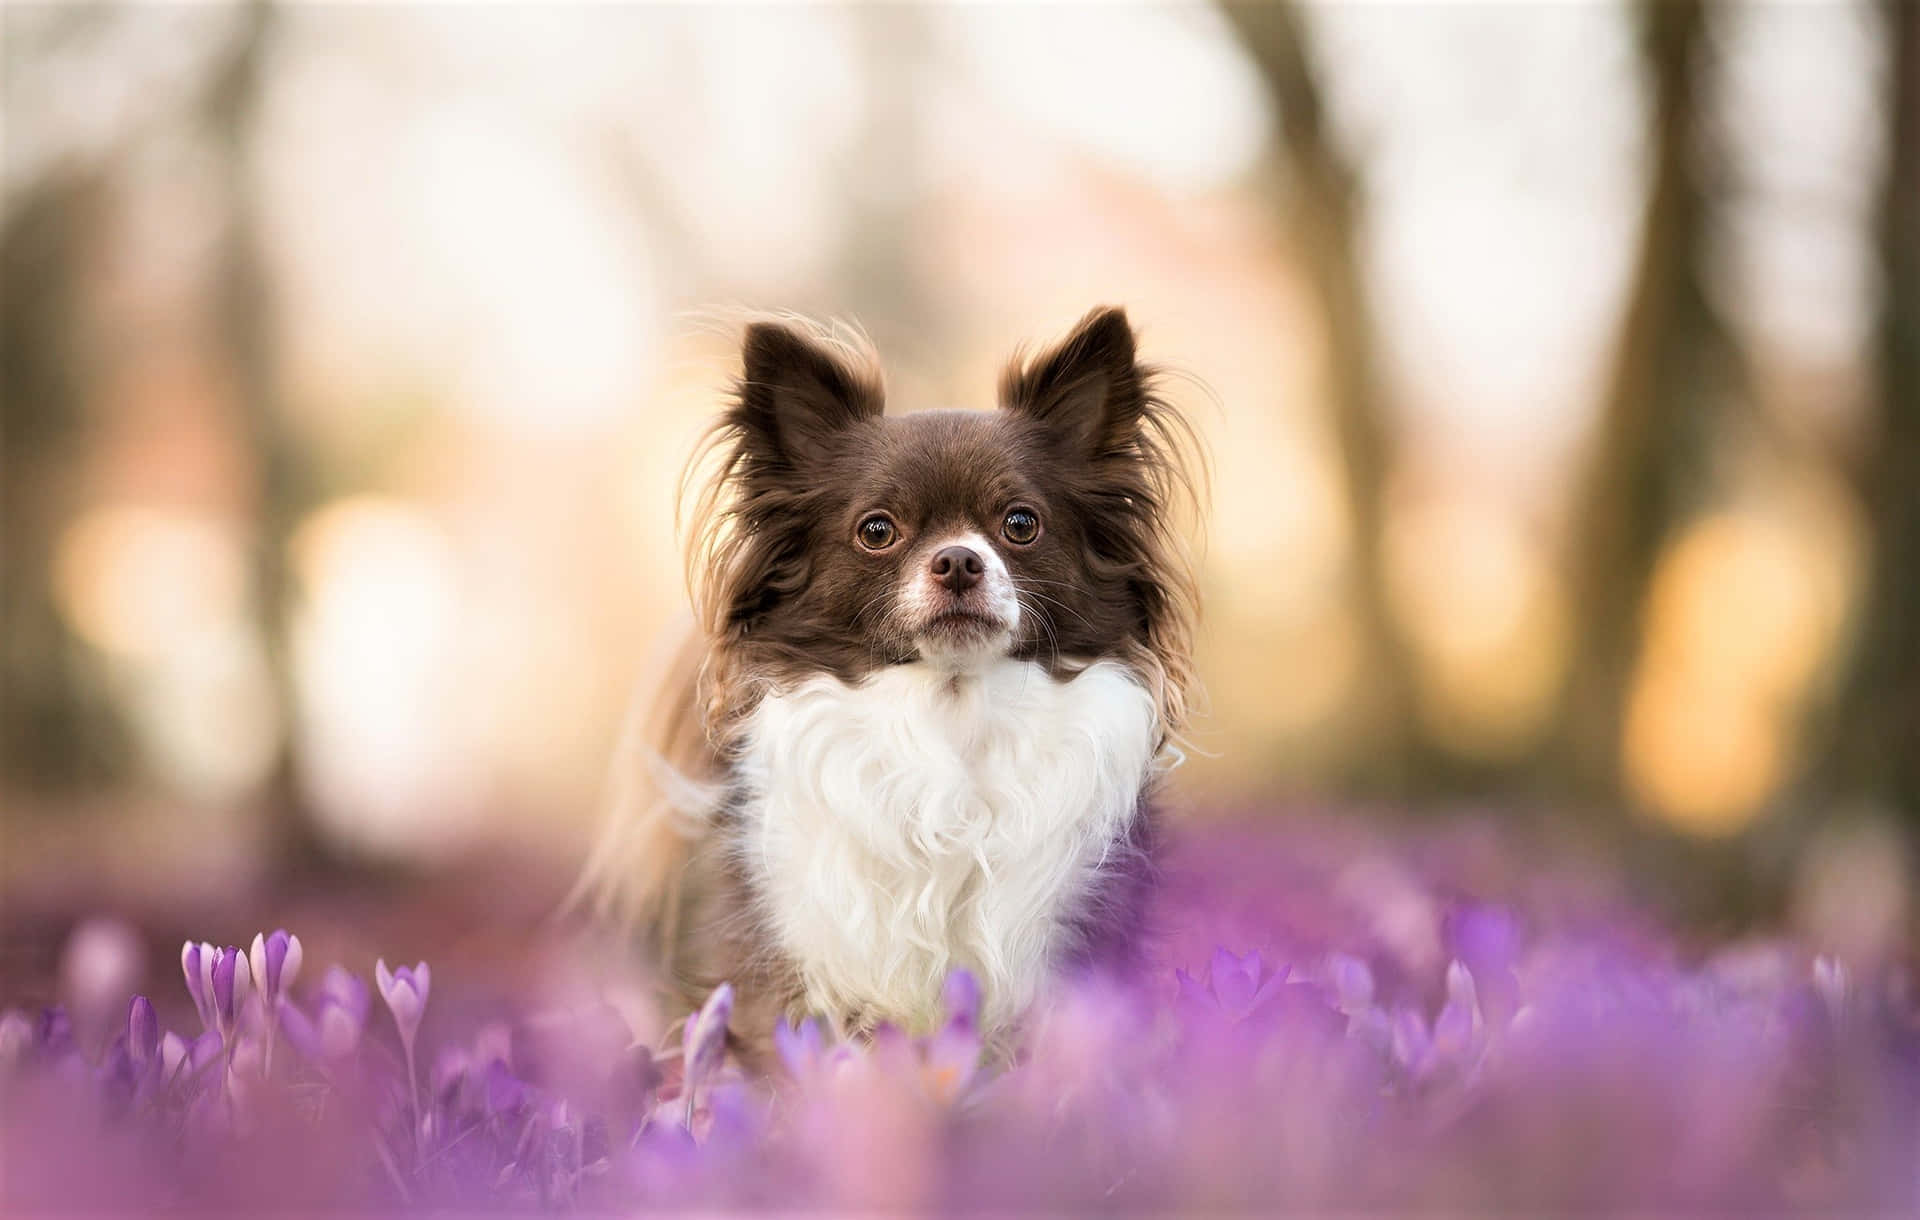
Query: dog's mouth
(960,630)
(958,620)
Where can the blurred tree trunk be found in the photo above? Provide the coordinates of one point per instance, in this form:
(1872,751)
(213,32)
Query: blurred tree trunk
(58,723)
(244,318)
(1323,209)
(1675,367)
(1876,743)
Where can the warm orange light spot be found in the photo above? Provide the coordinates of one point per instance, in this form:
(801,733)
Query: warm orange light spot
(1486,621)
(943,1082)
(135,581)
(1737,597)
(1704,756)
(163,593)
(1742,614)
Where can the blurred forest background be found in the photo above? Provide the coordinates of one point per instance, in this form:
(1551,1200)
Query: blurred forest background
(1562,368)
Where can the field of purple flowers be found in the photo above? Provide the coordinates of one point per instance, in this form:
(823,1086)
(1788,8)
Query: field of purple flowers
(1326,1023)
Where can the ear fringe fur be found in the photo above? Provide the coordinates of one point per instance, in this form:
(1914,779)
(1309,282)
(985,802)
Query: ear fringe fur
(708,516)
(1166,482)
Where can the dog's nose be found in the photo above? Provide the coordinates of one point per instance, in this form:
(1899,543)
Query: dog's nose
(957,567)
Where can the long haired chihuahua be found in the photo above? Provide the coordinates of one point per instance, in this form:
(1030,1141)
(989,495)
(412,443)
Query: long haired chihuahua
(941,660)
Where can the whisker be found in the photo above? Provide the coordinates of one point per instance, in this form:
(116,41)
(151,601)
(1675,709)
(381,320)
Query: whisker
(1052,600)
(1044,619)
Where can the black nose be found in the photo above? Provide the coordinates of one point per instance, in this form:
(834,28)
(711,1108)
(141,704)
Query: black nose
(957,567)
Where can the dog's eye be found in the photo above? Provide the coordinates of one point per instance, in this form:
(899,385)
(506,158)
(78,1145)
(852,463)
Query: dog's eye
(1021,526)
(877,532)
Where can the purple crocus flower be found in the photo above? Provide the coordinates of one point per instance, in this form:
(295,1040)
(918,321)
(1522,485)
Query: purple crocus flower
(196,963)
(1487,940)
(143,1030)
(1483,936)
(1552,1071)
(1236,987)
(332,1034)
(276,964)
(405,991)
(703,1044)
(800,1048)
(961,998)
(342,1013)
(1352,983)
(952,1056)
(1457,1030)
(231,984)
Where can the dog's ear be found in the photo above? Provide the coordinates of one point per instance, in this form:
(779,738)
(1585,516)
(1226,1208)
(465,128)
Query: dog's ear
(1089,391)
(796,392)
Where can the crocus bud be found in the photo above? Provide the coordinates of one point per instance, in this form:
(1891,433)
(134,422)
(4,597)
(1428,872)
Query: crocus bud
(143,1030)
(344,989)
(276,964)
(704,1042)
(801,1047)
(405,990)
(961,998)
(1352,981)
(952,1056)
(196,962)
(1454,1030)
(342,1012)
(332,1034)
(232,984)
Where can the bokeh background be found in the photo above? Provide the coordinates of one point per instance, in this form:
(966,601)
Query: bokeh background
(1560,365)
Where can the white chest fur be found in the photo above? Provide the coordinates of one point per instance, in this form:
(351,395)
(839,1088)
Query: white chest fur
(922,821)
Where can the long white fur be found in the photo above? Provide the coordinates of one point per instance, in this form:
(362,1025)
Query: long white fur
(933,817)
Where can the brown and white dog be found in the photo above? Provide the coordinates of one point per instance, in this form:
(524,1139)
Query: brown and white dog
(941,661)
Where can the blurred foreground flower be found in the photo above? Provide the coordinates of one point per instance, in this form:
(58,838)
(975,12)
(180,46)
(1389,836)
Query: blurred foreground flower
(1521,1071)
(704,1043)
(332,1033)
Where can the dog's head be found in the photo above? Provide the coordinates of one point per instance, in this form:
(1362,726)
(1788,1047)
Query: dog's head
(840,539)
